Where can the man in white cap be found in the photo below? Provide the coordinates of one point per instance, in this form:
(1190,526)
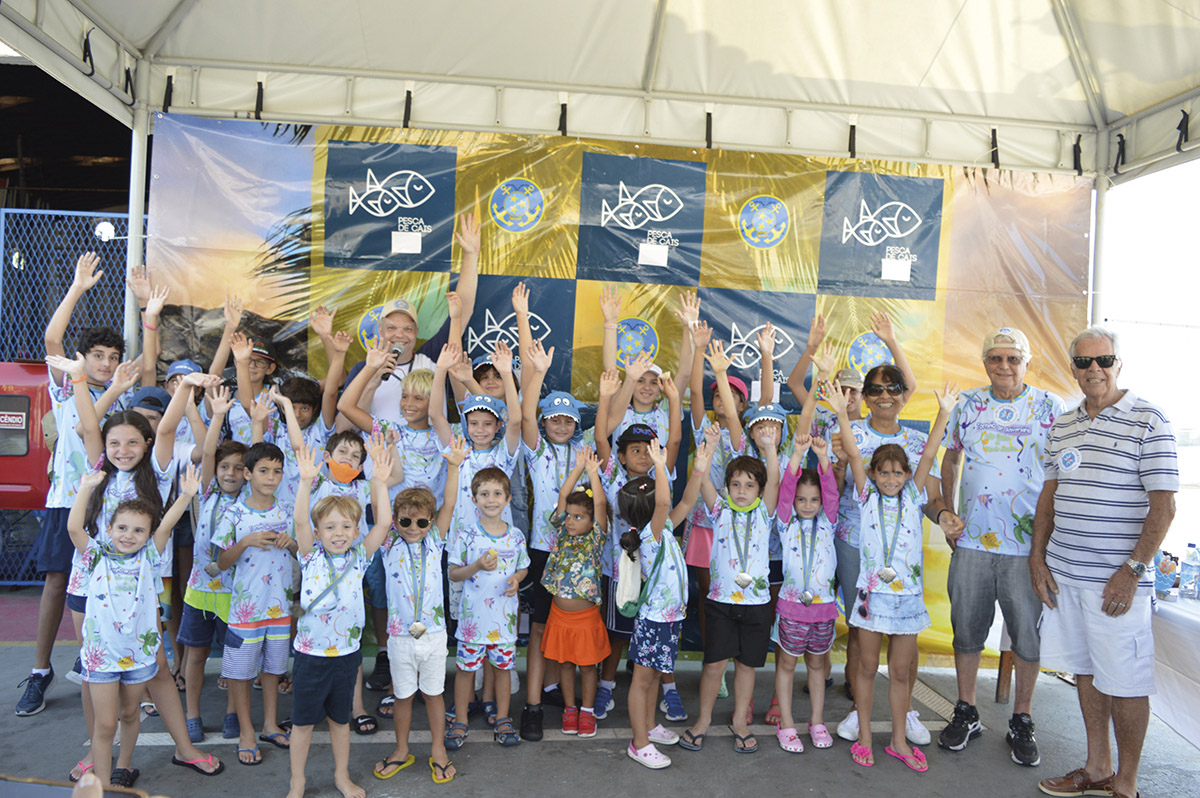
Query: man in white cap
(995,438)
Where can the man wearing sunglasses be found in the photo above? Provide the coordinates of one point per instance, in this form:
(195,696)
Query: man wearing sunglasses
(1111,478)
(1000,430)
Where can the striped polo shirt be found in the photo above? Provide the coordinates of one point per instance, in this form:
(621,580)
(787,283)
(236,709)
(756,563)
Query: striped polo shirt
(1105,468)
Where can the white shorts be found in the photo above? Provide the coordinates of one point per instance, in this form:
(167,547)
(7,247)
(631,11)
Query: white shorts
(1118,653)
(418,664)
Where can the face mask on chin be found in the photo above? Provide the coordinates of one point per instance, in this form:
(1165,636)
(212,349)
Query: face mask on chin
(341,472)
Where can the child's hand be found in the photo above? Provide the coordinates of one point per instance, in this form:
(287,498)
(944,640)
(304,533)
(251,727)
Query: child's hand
(339,344)
(706,451)
(232,311)
(449,356)
(766,341)
(461,371)
(457,452)
(321,321)
(382,463)
(488,561)
(467,234)
(200,380)
(669,388)
(591,463)
(640,365)
(539,359)
(156,301)
(610,383)
(285,541)
(820,447)
(75,369)
(826,361)
(241,347)
(816,333)
(701,335)
(803,443)
(376,447)
(86,275)
(454,303)
(502,357)
(128,375)
(947,398)
(221,399)
(765,437)
(139,285)
(689,309)
(377,356)
(610,304)
(260,410)
(91,480)
(717,358)
(520,299)
(836,399)
(306,462)
(658,456)
(392,436)
(881,325)
(512,584)
(189,485)
(281,401)
(262,540)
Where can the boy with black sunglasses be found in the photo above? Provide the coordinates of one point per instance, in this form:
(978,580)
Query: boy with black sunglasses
(416,627)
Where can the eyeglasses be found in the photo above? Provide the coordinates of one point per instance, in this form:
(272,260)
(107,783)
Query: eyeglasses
(405,523)
(1012,360)
(875,389)
(1103,361)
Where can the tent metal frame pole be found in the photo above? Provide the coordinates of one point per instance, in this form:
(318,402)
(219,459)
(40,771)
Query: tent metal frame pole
(103,24)
(168,27)
(1096,303)
(1081,61)
(654,51)
(135,252)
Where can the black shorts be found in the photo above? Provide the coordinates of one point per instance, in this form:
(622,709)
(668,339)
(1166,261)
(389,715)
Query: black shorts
(616,623)
(323,687)
(54,547)
(539,597)
(737,631)
(183,535)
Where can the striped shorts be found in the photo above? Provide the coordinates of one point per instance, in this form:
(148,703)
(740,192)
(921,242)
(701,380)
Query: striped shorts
(261,647)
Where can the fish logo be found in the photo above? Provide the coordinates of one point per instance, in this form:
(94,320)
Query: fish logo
(635,336)
(504,330)
(743,348)
(516,205)
(891,220)
(404,189)
(763,221)
(652,203)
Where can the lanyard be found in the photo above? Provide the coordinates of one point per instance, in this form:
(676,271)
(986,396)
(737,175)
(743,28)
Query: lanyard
(889,550)
(334,578)
(808,555)
(111,553)
(214,550)
(742,550)
(418,582)
(560,476)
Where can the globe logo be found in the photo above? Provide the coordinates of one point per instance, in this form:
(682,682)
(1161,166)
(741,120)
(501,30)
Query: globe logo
(868,351)
(516,205)
(1006,414)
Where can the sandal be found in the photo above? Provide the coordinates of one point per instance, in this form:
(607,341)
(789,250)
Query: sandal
(194,764)
(124,777)
(366,725)
(691,742)
(222,683)
(254,752)
(773,716)
(489,712)
(916,761)
(862,755)
(745,747)
(82,770)
(821,738)
(789,741)
(285,685)
(435,768)
(149,708)
(386,706)
(180,681)
(456,735)
(505,733)
(273,739)
(391,763)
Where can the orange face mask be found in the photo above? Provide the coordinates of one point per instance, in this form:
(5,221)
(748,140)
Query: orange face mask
(341,472)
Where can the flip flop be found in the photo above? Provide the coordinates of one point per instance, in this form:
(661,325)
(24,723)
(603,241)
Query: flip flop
(387,706)
(273,739)
(124,777)
(285,685)
(362,722)
(862,755)
(773,716)
(253,751)
(434,768)
(149,708)
(194,764)
(399,766)
(745,741)
(83,769)
(691,742)
(915,762)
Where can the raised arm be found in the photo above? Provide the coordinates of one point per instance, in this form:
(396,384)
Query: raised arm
(232,314)
(89,423)
(381,465)
(769,446)
(946,399)
(151,347)
(308,463)
(468,277)
(837,401)
(295,434)
(610,383)
(128,375)
(520,303)
(688,314)
(502,360)
(336,346)
(610,307)
(586,455)
(662,490)
(437,416)
(75,519)
(701,465)
(454,457)
(189,486)
(701,335)
(674,420)
(719,361)
(795,380)
(633,372)
(881,325)
(242,347)
(708,491)
(350,405)
(599,501)
(86,276)
(220,399)
(537,362)
(766,346)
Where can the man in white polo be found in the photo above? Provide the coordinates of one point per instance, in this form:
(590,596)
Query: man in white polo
(995,439)
(1109,497)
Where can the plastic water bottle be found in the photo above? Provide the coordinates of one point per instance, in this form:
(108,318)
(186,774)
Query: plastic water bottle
(1189,573)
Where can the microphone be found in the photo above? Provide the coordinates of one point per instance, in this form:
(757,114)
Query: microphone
(397,351)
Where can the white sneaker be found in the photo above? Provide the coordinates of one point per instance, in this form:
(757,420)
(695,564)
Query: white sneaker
(848,728)
(663,736)
(648,756)
(515,682)
(914,730)
(479,680)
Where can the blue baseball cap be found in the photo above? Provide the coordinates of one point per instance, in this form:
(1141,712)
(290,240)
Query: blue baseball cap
(769,412)
(481,401)
(486,360)
(150,398)
(185,366)
(560,403)
(635,433)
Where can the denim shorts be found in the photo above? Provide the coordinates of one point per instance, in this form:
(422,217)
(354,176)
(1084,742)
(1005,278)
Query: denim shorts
(54,546)
(977,580)
(889,613)
(76,603)
(135,676)
(197,627)
(655,644)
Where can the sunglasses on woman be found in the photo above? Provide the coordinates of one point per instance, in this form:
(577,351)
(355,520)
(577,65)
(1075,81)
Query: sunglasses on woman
(1103,361)
(875,389)
(407,522)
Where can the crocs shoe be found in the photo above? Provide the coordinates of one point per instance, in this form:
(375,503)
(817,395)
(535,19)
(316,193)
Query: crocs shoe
(821,738)
(603,703)
(672,706)
(789,741)
(195,729)
(649,756)
(661,735)
(230,728)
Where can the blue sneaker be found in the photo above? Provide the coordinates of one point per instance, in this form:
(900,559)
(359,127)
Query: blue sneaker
(36,687)
(604,702)
(672,705)
(75,675)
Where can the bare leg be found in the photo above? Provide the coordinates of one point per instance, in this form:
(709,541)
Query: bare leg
(193,676)
(85,689)
(869,644)
(166,698)
(301,740)
(435,708)
(464,688)
(818,670)
(608,672)
(703,580)
(743,692)
(566,682)
(901,649)
(131,723)
(50,611)
(239,691)
(270,696)
(105,706)
(339,737)
(651,694)
(853,655)
(1130,719)
(785,674)
(710,684)
(1027,676)
(358,708)
(914,663)
(489,681)
(503,693)
(589,677)
(1097,711)
(966,667)
(641,693)
(379,621)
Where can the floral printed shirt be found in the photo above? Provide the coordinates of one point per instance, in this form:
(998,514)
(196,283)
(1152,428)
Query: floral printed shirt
(573,568)
(908,557)
(333,626)
(70,456)
(405,563)
(262,578)
(486,616)
(797,542)
(667,600)
(421,456)
(214,504)
(358,489)
(120,629)
(750,533)
(548,466)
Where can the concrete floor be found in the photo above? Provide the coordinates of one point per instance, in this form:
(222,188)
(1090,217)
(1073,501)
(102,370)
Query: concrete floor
(48,744)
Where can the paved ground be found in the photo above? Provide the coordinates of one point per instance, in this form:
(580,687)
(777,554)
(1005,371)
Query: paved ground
(48,745)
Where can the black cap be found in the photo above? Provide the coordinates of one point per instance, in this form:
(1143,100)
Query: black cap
(635,433)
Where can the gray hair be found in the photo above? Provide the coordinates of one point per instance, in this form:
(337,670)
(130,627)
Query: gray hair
(1095,332)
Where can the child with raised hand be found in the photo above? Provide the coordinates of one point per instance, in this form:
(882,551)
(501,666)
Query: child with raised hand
(121,635)
(738,602)
(575,633)
(206,598)
(890,596)
(416,629)
(552,457)
(806,612)
(646,504)
(489,557)
(255,538)
(328,659)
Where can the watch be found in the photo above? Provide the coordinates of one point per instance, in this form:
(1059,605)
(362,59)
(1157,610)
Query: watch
(1139,568)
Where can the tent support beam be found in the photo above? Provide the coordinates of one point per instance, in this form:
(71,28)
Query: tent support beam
(100,22)
(168,27)
(654,51)
(1097,312)
(1172,103)
(1081,60)
(135,253)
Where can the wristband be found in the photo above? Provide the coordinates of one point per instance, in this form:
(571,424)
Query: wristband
(608,325)
(146,326)
(938,518)
(81,379)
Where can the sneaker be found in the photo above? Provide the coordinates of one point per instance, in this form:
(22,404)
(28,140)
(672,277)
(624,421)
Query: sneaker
(531,723)
(672,706)
(514,682)
(36,687)
(848,728)
(587,724)
(724,691)
(663,736)
(381,676)
(1022,742)
(649,756)
(570,724)
(962,728)
(554,697)
(604,702)
(75,675)
(914,730)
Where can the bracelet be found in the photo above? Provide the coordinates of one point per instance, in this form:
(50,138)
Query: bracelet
(146,326)
(81,379)
(938,519)
(608,325)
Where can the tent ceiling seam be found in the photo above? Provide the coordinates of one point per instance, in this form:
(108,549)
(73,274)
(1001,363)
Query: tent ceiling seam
(103,24)
(654,51)
(1081,61)
(942,44)
(170,24)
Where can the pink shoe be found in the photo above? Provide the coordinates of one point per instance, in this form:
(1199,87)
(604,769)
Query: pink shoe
(649,756)
(789,741)
(821,738)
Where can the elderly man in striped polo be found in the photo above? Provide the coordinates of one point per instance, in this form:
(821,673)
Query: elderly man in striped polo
(1109,497)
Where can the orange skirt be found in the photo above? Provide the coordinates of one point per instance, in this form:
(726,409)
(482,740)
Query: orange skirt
(576,637)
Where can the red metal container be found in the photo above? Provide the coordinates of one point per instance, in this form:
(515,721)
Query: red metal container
(24,456)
